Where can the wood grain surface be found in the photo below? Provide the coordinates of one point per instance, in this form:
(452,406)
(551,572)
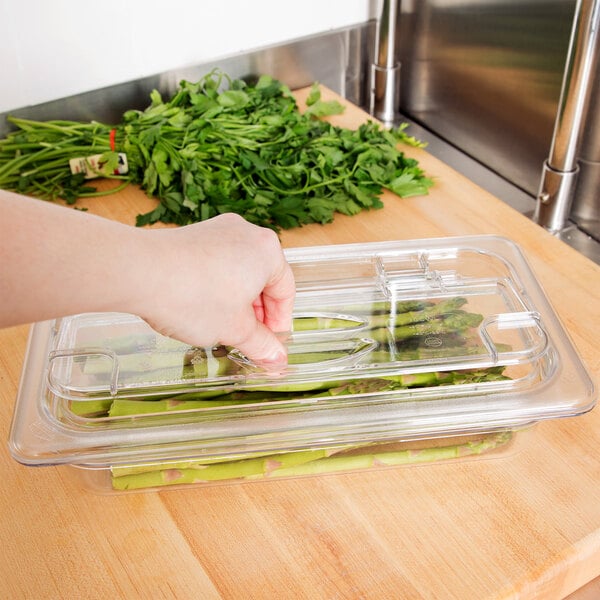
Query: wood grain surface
(523,526)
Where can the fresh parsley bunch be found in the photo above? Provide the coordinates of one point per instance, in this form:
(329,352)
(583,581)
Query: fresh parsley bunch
(222,145)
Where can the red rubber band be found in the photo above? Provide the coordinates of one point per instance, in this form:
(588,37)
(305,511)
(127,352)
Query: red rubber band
(113,133)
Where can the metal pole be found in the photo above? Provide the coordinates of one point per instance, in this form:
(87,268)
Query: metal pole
(559,176)
(385,71)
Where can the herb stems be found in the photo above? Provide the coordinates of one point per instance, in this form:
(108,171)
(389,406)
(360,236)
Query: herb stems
(221,145)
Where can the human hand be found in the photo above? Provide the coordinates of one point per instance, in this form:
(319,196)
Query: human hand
(221,281)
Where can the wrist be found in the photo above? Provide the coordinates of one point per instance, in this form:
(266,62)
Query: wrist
(136,276)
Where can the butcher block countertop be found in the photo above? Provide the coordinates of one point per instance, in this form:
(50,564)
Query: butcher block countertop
(526,525)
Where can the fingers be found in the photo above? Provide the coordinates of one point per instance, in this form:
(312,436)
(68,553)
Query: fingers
(240,289)
(263,347)
(259,309)
(277,300)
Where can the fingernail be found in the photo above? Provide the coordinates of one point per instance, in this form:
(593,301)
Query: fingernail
(278,358)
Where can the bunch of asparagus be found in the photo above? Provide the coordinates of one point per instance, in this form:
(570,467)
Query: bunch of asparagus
(300,463)
(402,331)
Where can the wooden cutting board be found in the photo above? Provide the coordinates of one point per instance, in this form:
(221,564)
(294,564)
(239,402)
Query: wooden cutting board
(523,526)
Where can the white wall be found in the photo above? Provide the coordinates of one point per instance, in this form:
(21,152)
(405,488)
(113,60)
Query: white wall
(51,49)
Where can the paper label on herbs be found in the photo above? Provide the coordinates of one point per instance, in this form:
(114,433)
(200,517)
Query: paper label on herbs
(98,165)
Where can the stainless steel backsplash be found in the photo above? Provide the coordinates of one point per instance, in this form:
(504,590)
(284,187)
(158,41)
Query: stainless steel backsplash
(337,59)
(486,76)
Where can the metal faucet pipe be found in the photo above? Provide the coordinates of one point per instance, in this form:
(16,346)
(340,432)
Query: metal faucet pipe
(559,176)
(385,71)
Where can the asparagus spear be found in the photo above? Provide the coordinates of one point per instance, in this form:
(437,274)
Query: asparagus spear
(194,362)
(447,349)
(418,315)
(134,363)
(137,343)
(127,407)
(124,407)
(211,362)
(90,408)
(204,461)
(456,322)
(306,462)
(385,307)
(413,380)
(387,383)
(403,457)
(219,471)
(361,386)
(319,323)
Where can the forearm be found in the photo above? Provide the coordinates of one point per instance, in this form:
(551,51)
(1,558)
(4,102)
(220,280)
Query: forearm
(222,281)
(58,261)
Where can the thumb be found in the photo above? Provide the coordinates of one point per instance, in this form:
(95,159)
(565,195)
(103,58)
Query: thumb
(263,347)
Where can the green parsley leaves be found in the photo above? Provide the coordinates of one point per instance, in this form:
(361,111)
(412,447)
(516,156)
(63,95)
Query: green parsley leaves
(224,145)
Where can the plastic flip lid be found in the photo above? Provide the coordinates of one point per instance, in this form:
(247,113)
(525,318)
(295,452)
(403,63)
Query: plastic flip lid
(402,339)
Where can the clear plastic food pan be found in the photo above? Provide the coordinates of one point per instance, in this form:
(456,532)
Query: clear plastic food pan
(401,353)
